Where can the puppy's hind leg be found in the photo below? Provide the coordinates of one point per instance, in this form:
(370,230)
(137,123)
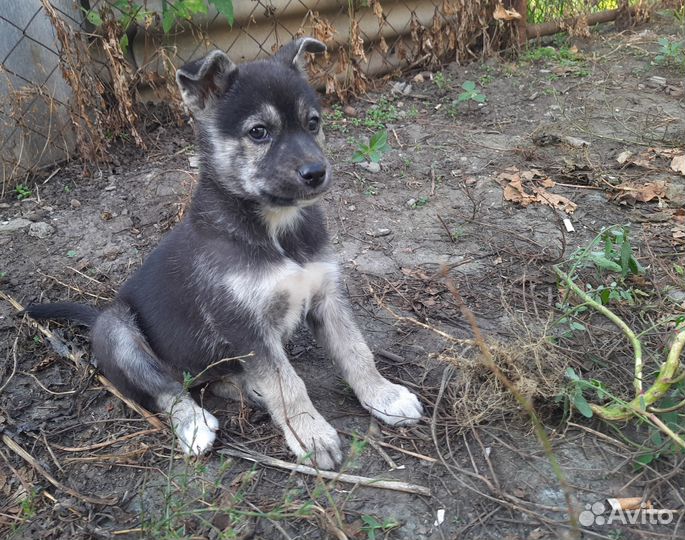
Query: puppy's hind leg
(124,356)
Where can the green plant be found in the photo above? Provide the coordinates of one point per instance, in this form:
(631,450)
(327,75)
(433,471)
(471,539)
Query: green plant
(440,80)
(377,116)
(576,390)
(28,504)
(130,12)
(562,54)
(670,53)
(195,502)
(335,119)
(614,254)
(374,150)
(679,15)
(470,94)
(421,202)
(372,526)
(457,233)
(647,405)
(22,192)
(611,253)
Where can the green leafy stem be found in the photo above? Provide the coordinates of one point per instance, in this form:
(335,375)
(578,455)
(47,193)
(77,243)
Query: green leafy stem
(642,405)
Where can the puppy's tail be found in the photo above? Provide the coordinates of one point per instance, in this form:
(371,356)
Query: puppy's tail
(68,311)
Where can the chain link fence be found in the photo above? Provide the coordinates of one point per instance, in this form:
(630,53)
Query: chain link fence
(35,126)
(75,76)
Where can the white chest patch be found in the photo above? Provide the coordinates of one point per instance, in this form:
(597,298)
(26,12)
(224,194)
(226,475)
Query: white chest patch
(282,292)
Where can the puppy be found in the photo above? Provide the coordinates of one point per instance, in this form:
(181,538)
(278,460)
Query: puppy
(248,262)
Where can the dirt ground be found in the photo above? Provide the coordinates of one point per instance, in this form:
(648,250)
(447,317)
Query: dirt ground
(569,113)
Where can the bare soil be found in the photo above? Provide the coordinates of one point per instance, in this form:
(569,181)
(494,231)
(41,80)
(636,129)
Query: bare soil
(436,201)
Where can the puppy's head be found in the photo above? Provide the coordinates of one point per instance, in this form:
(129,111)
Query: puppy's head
(259,125)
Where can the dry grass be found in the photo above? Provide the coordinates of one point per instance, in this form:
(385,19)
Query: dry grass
(533,365)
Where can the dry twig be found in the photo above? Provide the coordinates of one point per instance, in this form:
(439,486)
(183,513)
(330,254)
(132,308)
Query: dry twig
(17,449)
(329,475)
(63,350)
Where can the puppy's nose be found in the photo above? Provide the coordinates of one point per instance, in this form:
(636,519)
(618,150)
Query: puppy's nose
(313,174)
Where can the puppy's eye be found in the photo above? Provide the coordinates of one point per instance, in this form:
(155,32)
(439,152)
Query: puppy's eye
(258,133)
(313,124)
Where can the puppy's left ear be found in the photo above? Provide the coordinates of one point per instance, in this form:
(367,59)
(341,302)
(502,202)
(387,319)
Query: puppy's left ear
(292,54)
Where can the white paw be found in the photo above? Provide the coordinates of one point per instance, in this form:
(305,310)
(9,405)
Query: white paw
(394,404)
(195,429)
(320,439)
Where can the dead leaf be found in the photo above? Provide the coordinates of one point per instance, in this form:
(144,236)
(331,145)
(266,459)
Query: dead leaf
(515,191)
(503,14)
(679,216)
(647,158)
(556,201)
(666,152)
(644,193)
(678,164)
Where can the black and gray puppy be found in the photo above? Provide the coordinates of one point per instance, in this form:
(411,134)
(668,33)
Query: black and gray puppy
(247,263)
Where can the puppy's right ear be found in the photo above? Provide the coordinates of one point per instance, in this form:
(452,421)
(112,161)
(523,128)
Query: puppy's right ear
(202,81)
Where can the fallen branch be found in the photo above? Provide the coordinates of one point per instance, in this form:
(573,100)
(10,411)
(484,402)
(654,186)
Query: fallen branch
(329,475)
(17,449)
(62,349)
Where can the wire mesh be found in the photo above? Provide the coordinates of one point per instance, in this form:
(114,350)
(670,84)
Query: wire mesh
(67,86)
(34,98)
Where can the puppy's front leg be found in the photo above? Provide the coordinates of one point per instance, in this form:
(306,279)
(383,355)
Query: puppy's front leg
(331,321)
(271,381)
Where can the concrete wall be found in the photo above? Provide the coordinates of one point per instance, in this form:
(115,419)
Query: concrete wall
(34,121)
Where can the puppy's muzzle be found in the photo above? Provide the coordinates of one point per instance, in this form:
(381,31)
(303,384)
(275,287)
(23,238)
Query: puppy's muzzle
(312,175)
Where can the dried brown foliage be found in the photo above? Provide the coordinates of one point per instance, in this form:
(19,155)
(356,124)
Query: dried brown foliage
(88,108)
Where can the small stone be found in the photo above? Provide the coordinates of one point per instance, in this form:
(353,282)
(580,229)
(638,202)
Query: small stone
(676,296)
(418,78)
(352,208)
(194,161)
(370,166)
(75,203)
(111,187)
(349,110)
(378,233)
(41,229)
(410,203)
(575,142)
(402,88)
(656,82)
(13,225)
